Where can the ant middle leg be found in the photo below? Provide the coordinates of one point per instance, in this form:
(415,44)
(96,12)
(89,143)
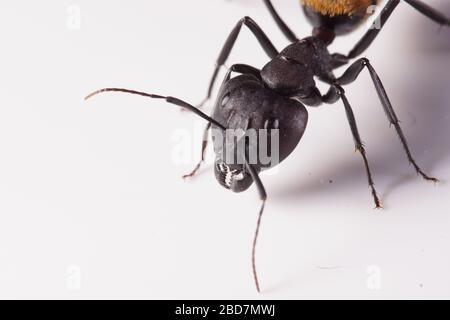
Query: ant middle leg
(351,75)
(337,92)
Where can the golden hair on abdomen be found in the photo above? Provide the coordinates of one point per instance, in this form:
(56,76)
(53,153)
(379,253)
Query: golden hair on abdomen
(338,7)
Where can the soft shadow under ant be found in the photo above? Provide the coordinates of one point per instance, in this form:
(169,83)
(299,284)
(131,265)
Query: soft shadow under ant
(426,96)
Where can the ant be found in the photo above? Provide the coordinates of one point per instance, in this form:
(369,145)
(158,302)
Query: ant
(273,99)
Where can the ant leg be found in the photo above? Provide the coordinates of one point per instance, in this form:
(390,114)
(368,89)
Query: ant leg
(333,95)
(386,12)
(374,30)
(262,38)
(351,75)
(339,91)
(204,146)
(430,12)
(279,21)
(313,99)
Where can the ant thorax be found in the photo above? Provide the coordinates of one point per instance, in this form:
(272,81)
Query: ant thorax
(294,69)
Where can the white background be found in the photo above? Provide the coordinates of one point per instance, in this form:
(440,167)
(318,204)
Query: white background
(91,200)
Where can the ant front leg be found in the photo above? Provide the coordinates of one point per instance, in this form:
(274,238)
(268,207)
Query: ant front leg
(202,159)
(262,38)
(351,75)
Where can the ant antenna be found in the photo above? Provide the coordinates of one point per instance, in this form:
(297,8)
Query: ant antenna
(258,225)
(170,100)
(263,197)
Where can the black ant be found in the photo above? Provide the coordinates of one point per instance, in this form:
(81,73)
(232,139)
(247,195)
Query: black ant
(273,98)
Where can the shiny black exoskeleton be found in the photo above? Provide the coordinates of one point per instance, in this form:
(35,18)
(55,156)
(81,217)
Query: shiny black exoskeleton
(273,99)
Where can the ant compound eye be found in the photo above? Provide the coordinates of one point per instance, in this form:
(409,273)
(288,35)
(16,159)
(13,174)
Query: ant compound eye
(272,123)
(225,100)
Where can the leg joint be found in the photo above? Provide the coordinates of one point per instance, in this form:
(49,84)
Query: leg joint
(339,90)
(359,147)
(365,61)
(246,20)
